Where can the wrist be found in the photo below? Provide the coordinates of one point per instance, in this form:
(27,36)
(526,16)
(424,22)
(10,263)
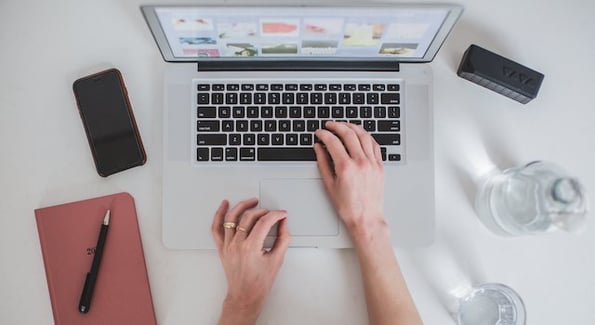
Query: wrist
(238,312)
(370,231)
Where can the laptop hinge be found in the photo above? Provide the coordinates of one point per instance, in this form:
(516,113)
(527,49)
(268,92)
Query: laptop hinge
(293,65)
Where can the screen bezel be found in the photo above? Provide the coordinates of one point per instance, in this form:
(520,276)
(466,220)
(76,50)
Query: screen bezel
(454,12)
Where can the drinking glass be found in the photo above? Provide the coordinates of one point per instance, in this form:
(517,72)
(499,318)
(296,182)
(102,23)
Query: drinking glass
(531,199)
(491,304)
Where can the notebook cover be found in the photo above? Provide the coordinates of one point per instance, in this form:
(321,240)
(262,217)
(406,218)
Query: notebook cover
(68,235)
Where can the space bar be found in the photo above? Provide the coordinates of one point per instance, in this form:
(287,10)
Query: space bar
(286,154)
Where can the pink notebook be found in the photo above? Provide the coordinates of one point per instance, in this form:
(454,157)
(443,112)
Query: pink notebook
(68,235)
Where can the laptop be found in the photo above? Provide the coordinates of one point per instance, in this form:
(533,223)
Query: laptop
(248,85)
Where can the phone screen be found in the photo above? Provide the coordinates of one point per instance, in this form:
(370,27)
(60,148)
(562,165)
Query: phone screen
(109,123)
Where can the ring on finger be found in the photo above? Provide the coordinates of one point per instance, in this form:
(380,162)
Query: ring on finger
(229,225)
(241,229)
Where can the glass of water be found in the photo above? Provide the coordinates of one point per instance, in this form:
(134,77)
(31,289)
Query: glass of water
(491,304)
(530,199)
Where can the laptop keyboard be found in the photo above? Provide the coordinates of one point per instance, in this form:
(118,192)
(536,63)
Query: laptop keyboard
(247,121)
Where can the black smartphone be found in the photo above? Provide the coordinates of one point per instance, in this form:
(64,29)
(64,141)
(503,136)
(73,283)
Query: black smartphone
(109,123)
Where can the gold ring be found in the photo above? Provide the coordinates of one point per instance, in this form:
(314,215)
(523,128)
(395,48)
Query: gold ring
(241,229)
(229,225)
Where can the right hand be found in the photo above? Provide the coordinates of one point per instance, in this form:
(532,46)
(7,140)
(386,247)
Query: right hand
(352,173)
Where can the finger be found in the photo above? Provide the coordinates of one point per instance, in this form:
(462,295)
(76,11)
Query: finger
(365,139)
(324,166)
(334,146)
(216,228)
(263,227)
(282,242)
(234,216)
(349,138)
(246,223)
(377,152)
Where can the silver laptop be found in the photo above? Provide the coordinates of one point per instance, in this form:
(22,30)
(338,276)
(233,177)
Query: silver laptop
(250,84)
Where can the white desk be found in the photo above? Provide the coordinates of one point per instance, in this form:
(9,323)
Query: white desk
(45,160)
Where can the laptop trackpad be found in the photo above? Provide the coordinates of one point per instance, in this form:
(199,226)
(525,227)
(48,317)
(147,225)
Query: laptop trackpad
(309,211)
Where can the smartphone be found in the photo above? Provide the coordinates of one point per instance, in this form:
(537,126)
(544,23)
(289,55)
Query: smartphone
(109,123)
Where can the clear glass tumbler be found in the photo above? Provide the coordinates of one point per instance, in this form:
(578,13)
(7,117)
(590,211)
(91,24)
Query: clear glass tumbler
(530,199)
(491,304)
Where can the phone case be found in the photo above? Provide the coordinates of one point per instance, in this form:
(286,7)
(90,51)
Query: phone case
(143,158)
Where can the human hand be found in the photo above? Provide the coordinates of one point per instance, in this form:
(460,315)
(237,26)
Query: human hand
(249,268)
(352,173)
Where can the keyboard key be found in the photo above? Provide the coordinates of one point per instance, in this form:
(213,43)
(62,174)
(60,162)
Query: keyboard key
(316,98)
(289,98)
(217,98)
(338,111)
(356,122)
(299,126)
(309,112)
(202,154)
(202,98)
(378,87)
(260,98)
(359,98)
(394,112)
(335,87)
(351,112)
(389,98)
(344,98)
(391,125)
(276,87)
(235,139)
(330,98)
(392,87)
(370,125)
(364,87)
(231,98)
(263,139)
(238,111)
(387,138)
(270,125)
(306,139)
(372,98)
(245,98)
(242,126)
(206,112)
(249,139)
(277,139)
(302,98)
(291,87)
(252,112)
(320,87)
(365,112)
(281,112)
(224,111)
(394,157)
(227,126)
(291,139)
(207,126)
(313,125)
(216,154)
(284,125)
(203,87)
(323,112)
(349,87)
(233,87)
(256,126)
(247,154)
(218,87)
(262,87)
(231,154)
(306,87)
(379,112)
(286,154)
(383,153)
(295,112)
(274,98)
(203,139)
(266,111)
(247,87)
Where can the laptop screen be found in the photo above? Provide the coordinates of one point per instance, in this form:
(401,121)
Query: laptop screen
(212,33)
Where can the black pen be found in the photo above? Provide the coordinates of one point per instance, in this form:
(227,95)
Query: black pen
(85,302)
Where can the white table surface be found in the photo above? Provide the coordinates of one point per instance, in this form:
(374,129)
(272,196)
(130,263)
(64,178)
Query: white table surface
(45,160)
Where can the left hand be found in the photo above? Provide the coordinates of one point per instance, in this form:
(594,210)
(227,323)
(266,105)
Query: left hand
(249,268)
